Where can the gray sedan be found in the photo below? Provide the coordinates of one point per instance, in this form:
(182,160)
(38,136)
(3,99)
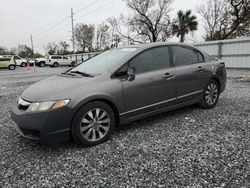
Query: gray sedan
(116,87)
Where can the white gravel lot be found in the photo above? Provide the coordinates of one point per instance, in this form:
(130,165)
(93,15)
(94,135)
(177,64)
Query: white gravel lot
(190,147)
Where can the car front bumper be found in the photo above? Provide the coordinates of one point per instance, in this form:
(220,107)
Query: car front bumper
(48,127)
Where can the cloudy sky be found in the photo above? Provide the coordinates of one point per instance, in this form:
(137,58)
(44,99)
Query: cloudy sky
(49,20)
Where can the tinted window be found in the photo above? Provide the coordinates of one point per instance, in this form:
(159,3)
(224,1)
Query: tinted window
(184,56)
(122,71)
(65,58)
(150,60)
(200,57)
(5,59)
(56,57)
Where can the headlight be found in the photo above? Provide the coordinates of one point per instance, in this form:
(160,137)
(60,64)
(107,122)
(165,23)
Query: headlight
(42,106)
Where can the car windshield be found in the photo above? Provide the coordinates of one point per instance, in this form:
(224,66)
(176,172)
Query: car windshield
(103,62)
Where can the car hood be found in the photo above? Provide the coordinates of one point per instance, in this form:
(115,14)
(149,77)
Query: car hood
(54,88)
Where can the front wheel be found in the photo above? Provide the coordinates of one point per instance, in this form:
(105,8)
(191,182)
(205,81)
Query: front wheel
(42,64)
(210,95)
(93,124)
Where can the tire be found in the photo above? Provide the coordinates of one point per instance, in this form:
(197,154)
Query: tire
(210,95)
(11,67)
(55,64)
(73,64)
(42,64)
(89,131)
(23,64)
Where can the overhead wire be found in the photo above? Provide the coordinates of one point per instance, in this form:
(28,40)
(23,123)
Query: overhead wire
(39,36)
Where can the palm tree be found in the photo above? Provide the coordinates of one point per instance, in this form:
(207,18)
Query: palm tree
(184,24)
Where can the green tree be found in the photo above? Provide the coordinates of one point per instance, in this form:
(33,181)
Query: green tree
(63,48)
(148,21)
(51,48)
(84,35)
(225,19)
(185,23)
(103,37)
(3,50)
(25,52)
(37,55)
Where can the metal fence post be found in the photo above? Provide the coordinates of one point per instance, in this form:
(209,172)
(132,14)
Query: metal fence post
(220,50)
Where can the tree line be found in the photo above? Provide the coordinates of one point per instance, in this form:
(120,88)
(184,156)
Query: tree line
(150,21)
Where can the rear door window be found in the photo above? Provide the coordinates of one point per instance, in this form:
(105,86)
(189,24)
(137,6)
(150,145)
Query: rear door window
(184,56)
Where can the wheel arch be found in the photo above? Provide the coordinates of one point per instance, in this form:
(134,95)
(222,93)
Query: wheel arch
(103,99)
(218,81)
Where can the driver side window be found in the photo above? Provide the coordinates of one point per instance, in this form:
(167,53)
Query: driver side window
(151,60)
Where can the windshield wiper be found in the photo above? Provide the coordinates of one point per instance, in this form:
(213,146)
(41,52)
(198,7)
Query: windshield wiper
(67,73)
(81,73)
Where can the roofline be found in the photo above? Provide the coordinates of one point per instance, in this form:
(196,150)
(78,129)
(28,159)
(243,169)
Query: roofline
(155,44)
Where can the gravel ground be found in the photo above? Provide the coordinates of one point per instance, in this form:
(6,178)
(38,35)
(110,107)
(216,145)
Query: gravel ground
(190,147)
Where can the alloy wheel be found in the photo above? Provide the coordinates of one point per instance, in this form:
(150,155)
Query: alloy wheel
(95,124)
(211,93)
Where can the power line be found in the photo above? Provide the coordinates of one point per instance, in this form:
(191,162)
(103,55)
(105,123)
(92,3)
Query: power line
(40,35)
(100,7)
(86,7)
(58,23)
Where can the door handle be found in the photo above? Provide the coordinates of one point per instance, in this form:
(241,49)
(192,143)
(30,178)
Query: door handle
(168,75)
(201,69)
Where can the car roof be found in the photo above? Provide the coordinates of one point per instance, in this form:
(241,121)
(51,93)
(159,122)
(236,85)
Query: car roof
(155,44)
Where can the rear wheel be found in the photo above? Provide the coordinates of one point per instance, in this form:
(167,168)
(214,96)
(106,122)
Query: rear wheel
(93,124)
(23,64)
(11,67)
(55,64)
(210,95)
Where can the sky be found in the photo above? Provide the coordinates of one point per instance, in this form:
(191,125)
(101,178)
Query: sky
(49,20)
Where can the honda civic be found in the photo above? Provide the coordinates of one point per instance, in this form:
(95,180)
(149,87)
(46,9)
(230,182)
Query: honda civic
(116,87)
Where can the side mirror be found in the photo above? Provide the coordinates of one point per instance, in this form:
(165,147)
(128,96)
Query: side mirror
(131,73)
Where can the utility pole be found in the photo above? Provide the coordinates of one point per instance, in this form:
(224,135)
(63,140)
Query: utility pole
(32,47)
(18,48)
(73,33)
